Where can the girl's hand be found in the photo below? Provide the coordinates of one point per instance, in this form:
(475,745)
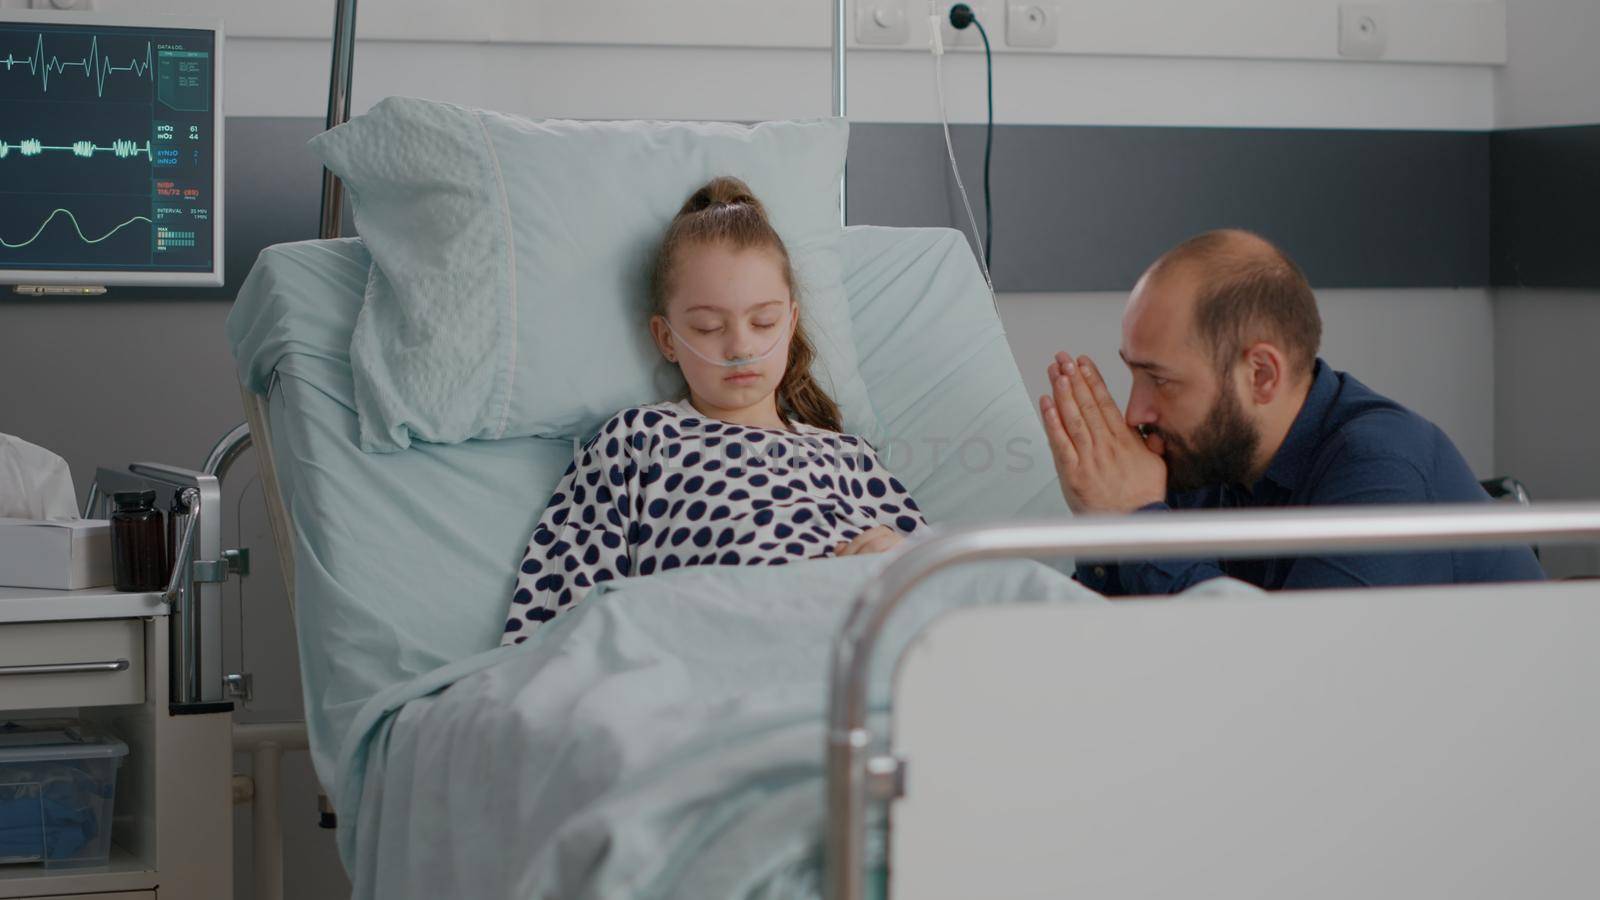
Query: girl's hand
(878,539)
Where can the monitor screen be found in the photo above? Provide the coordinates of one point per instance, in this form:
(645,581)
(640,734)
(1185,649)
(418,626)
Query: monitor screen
(110,152)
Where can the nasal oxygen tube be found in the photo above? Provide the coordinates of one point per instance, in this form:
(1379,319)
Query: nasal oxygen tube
(726,363)
(936,44)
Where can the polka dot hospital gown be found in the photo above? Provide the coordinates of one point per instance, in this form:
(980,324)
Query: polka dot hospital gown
(661,487)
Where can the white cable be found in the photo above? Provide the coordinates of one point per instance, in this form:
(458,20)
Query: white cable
(937,45)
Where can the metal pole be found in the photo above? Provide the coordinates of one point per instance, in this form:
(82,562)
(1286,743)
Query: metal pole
(247,736)
(267,742)
(1176,535)
(266,824)
(839,93)
(344,49)
(182,595)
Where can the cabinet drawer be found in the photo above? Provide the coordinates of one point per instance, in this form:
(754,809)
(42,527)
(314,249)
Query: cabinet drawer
(88,663)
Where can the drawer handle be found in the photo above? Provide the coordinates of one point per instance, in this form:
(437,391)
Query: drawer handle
(110,665)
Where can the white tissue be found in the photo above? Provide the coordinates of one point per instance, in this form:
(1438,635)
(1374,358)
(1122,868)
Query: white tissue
(34,483)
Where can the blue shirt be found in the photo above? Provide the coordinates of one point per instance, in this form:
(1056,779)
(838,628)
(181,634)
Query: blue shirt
(1348,445)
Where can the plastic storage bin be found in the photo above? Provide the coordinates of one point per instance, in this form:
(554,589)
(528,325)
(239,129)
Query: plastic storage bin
(58,782)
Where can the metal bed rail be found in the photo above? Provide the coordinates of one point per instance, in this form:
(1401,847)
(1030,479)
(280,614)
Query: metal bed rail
(200,564)
(858,774)
(193,590)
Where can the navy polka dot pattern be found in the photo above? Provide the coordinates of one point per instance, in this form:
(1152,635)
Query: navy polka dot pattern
(662,487)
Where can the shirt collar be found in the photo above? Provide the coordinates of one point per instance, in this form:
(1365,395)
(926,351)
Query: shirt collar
(1289,464)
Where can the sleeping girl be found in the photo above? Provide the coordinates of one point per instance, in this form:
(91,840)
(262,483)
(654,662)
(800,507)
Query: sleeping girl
(750,469)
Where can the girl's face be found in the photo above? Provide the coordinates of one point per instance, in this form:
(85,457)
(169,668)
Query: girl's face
(729,304)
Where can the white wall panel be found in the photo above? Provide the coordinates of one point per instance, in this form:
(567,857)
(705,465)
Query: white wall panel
(1552,76)
(1131,64)
(1416,30)
(289,78)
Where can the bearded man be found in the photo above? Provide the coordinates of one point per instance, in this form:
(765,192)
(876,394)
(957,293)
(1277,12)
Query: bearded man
(1231,408)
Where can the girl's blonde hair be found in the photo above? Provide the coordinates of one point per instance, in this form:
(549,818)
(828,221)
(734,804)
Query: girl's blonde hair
(725,212)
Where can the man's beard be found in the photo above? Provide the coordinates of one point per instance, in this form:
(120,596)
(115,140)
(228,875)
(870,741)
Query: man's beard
(1221,451)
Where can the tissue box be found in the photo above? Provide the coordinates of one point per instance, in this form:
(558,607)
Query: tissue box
(66,554)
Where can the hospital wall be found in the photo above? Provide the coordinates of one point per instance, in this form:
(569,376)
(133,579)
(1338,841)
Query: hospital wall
(1547,304)
(150,378)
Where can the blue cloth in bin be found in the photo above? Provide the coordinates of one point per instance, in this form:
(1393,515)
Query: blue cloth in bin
(53,818)
(57,784)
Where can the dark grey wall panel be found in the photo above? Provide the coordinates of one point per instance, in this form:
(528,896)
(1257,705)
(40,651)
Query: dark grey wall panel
(1088,208)
(1546,191)
(1076,207)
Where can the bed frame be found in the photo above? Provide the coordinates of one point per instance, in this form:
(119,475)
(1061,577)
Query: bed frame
(942,774)
(1021,763)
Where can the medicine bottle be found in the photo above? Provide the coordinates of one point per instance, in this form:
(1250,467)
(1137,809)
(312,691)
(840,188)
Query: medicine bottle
(138,546)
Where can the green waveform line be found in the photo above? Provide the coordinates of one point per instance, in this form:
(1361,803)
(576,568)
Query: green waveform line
(93,65)
(122,149)
(75,227)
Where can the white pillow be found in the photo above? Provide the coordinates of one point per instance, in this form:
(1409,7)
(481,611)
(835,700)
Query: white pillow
(509,291)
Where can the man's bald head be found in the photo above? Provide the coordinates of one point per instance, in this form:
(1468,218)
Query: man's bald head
(1243,290)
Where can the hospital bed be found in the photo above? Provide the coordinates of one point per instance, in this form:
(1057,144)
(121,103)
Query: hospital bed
(1383,718)
(982,726)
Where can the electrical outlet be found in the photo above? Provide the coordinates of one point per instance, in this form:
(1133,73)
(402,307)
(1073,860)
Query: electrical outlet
(1363,30)
(882,22)
(968,37)
(1031,24)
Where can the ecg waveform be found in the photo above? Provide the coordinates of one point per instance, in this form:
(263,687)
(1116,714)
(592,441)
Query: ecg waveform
(93,65)
(75,227)
(121,149)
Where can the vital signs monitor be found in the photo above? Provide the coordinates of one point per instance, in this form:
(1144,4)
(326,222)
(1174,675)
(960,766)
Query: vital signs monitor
(110,150)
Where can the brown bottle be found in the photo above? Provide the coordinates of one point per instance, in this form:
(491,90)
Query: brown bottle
(138,544)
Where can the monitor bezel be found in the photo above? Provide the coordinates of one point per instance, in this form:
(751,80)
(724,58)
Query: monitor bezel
(113,277)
